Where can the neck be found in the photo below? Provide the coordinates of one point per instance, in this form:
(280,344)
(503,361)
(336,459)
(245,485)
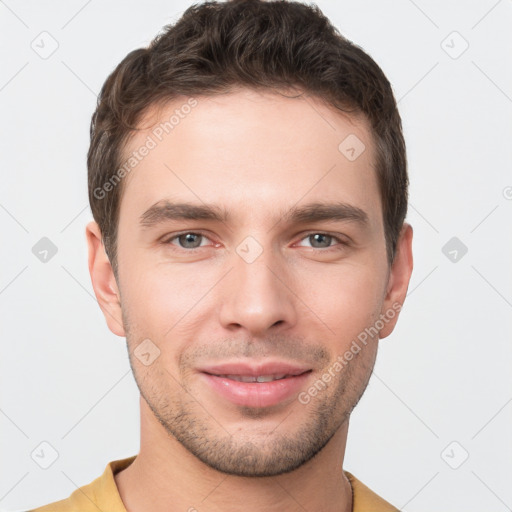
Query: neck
(164,473)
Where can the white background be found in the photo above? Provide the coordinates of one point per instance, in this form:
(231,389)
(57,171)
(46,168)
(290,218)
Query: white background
(444,375)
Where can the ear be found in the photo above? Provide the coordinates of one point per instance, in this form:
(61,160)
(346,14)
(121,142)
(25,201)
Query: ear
(103,280)
(398,282)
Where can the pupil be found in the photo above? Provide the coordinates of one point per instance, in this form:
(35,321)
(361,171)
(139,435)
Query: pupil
(189,238)
(315,237)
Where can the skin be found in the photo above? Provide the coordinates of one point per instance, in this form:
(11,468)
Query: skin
(257,155)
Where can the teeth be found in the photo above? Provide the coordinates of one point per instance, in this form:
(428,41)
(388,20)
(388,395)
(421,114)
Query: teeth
(269,378)
(259,378)
(265,378)
(242,378)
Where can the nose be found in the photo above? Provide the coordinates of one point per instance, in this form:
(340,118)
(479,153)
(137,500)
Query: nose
(258,296)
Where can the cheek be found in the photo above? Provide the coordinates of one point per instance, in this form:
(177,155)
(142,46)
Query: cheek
(346,300)
(163,299)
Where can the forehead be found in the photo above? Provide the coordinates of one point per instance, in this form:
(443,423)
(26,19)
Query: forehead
(248,148)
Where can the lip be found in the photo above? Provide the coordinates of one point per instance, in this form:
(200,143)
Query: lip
(256,394)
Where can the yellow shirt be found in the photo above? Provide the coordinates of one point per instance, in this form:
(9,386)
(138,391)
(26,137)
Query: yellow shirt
(102,494)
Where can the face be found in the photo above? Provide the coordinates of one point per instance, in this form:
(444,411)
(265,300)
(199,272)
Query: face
(251,257)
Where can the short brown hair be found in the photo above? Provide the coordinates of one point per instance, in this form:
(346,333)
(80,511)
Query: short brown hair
(216,46)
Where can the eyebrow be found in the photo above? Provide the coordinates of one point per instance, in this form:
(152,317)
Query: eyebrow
(166,210)
(163,211)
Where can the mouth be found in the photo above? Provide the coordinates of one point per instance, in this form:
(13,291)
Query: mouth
(252,385)
(259,378)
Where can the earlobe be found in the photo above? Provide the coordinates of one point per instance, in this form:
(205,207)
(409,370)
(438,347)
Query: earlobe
(399,277)
(103,280)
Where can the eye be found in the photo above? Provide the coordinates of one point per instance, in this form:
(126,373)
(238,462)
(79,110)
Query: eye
(324,240)
(188,240)
(320,241)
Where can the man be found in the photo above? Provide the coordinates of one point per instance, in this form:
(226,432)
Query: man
(256,133)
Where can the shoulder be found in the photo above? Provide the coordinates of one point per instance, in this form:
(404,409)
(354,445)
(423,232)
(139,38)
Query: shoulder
(100,494)
(365,500)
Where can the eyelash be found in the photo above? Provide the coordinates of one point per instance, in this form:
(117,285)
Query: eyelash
(341,242)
